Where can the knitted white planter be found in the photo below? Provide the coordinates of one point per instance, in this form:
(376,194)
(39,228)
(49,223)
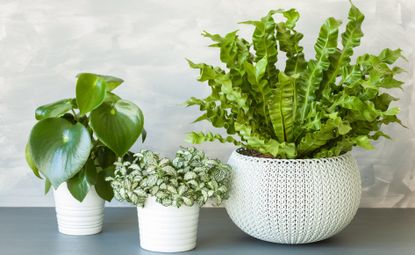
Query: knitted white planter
(76,218)
(293,201)
(167,229)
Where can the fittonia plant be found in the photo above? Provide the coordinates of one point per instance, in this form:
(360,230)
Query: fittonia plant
(189,178)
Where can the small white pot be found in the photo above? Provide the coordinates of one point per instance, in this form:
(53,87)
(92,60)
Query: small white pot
(76,218)
(167,229)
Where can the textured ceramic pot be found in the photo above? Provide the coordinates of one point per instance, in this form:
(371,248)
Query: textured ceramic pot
(293,201)
(167,229)
(76,218)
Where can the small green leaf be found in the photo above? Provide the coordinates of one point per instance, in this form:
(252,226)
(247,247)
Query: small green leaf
(55,109)
(143,135)
(260,68)
(187,201)
(112,81)
(171,189)
(59,149)
(91,173)
(103,187)
(47,186)
(190,176)
(364,142)
(117,125)
(392,111)
(78,185)
(90,92)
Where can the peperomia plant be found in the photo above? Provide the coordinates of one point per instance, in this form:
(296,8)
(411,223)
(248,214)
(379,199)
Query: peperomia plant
(313,108)
(189,178)
(77,140)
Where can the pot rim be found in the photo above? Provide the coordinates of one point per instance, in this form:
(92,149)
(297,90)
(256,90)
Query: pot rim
(335,158)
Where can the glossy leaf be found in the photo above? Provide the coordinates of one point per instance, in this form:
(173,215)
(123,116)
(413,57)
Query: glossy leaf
(90,92)
(103,187)
(78,185)
(91,172)
(55,109)
(111,81)
(117,125)
(59,149)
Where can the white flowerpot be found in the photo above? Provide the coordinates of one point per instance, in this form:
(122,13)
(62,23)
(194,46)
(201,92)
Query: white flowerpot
(76,218)
(293,201)
(167,229)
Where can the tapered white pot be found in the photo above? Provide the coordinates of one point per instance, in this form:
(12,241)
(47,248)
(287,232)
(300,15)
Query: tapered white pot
(293,201)
(76,218)
(167,229)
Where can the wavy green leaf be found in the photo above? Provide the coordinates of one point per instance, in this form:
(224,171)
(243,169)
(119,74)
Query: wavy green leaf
(265,43)
(332,129)
(325,46)
(200,137)
(282,108)
(350,39)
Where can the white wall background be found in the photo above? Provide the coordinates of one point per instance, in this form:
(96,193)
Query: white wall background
(43,44)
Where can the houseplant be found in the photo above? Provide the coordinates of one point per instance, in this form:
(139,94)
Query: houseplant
(295,180)
(168,194)
(74,145)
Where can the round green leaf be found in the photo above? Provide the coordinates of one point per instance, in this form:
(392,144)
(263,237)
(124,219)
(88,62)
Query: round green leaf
(30,162)
(55,109)
(117,125)
(90,92)
(91,172)
(78,185)
(103,187)
(59,149)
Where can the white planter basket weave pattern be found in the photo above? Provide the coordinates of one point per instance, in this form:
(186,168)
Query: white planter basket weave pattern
(76,218)
(293,201)
(167,229)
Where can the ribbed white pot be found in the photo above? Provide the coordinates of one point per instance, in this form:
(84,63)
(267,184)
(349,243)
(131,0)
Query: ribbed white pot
(167,229)
(76,218)
(293,201)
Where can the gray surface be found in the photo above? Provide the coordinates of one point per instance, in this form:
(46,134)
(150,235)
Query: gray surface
(34,231)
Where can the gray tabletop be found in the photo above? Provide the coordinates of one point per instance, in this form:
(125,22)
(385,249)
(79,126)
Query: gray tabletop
(33,231)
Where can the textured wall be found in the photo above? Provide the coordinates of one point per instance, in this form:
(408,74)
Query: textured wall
(43,44)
